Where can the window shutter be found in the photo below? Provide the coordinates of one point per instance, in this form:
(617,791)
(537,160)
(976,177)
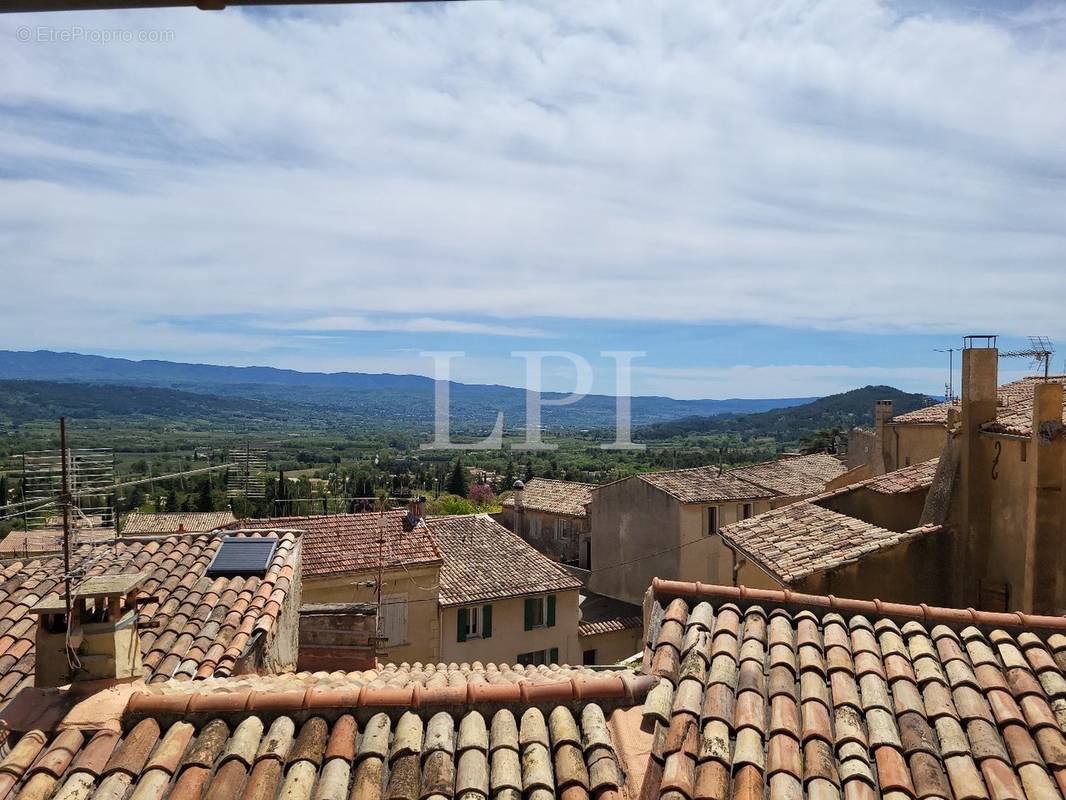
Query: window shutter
(551,611)
(553,656)
(529,613)
(486,622)
(464,618)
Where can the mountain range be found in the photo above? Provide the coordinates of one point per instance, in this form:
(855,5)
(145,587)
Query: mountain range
(39,385)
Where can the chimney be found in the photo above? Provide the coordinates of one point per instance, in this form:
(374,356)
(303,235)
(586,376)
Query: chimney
(1045,561)
(882,460)
(519,509)
(979,400)
(415,513)
(181,527)
(103,634)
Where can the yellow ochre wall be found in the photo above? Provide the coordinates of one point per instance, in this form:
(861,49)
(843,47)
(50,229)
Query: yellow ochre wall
(614,646)
(419,584)
(912,444)
(509,637)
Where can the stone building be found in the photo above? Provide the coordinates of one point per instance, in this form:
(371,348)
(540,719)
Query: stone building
(982,523)
(552,516)
(666,523)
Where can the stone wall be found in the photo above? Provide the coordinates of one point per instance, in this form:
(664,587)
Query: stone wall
(337,636)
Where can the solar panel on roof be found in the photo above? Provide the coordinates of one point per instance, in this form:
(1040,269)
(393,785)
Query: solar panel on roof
(243,555)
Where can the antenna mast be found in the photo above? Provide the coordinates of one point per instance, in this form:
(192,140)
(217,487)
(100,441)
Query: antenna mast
(64,501)
(1040,351)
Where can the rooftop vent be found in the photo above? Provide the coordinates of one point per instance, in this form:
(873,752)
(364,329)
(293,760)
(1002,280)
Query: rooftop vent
(243,555)
(99,641)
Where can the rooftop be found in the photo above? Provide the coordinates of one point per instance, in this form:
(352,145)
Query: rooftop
(816,697)
(793,476)
(485,561)
(44,541)
(903,480)
(704,485)
(602,614)
(139,523)
(742,694)
(802,538)
(343,543)
(1014,416)
(202,625)
(567,498)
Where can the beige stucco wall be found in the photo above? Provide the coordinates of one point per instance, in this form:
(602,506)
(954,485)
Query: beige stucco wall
(418,584)
(509,637)
(613,647)
(911,444)
(896,512)
(640,533)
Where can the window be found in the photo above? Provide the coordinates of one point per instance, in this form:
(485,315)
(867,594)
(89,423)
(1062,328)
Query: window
(712,520)
(539,657)
(474,622)
(392,620)
(747,511)
(588,657)
(540,612)
(534,527)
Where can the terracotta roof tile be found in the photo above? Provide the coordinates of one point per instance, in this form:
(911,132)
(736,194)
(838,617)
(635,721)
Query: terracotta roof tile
(183,604)
(139,523)
(704,485)
(803,538)
(565,498)
(342,543)
(485,561)
(1014,415)
(859,678)
(903,480)
(793,476)
(602,614)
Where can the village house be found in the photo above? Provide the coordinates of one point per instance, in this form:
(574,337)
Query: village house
(452,588)
(741,693)
(919,435)
(154,609)
(665,523)
(552,516)
(140,523)
(990,530)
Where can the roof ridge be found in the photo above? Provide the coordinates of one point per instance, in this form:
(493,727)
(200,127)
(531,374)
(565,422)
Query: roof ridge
(924,612)
(632,688)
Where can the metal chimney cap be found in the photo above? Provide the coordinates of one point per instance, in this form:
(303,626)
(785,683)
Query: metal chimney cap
(518,486)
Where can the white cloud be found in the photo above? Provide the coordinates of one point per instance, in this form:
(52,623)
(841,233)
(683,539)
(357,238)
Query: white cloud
(834,165)
(408,325)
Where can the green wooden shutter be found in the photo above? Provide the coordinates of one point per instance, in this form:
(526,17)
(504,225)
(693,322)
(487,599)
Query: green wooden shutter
(486,622)
(464,616)
(551,611)
(553,656)
(529,613)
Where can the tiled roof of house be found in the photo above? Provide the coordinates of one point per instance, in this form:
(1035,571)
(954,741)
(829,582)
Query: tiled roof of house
(1014,413)
(44,541)
(793,476)
(602,614)
(555,497)
(802,538)
(764,695)
(704,485)
(485,561)
(344,543)
(508,740)
(903,480)
(202,625)
(140,523)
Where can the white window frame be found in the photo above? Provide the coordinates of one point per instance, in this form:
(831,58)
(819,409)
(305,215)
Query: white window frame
(474,629)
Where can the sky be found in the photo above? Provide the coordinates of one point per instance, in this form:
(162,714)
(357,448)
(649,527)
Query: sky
(766,199)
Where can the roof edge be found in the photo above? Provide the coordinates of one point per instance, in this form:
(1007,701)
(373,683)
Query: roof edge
(923,612)
(627,688)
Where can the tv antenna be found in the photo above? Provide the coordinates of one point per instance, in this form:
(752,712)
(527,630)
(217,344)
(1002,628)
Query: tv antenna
(949,387)
(1039,353)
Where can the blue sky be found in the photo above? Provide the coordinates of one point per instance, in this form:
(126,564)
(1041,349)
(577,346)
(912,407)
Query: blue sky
(767,198)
